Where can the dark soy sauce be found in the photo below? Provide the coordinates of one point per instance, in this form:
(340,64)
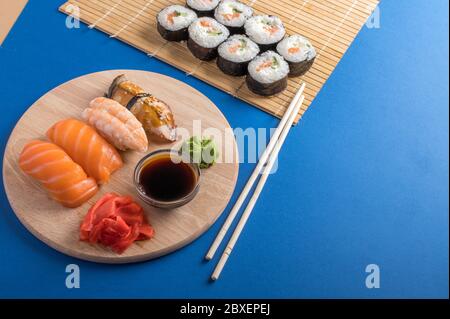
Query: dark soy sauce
(165,181)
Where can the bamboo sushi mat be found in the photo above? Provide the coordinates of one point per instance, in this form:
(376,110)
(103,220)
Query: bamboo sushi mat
(331,26)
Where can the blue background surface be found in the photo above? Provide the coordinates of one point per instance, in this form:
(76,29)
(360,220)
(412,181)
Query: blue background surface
(363,177)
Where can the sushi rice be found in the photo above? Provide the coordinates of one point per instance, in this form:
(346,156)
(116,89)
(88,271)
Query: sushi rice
(264,29)
(176,17)
(207,32)
(233,13)
(268,67)
(238,48)
(296,48)
(203,7)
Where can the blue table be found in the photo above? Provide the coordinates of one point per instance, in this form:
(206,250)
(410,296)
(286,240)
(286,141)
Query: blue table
(363,179)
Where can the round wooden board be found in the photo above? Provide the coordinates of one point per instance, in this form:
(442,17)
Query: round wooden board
(59,227)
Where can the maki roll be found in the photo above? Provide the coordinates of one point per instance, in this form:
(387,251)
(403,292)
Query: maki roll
(267,74)
(203,8)
(266,31)
(205,35)
(173,22)
(298,52)
(233,15)
(235,54)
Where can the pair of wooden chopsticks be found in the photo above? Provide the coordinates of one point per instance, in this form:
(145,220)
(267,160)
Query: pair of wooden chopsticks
(264,168)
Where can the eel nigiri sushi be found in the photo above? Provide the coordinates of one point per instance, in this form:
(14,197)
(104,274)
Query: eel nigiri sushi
(64,179)
(155,115)
(86,147)
(116,124)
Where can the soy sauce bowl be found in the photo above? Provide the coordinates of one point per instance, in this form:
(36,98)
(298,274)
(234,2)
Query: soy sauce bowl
(169,173)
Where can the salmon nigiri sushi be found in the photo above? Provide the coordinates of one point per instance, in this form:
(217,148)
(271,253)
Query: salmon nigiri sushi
(64,179)
(86,147)
(116,124)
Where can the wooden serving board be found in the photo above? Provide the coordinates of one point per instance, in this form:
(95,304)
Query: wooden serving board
(331,25)
(59,227)
(9,12)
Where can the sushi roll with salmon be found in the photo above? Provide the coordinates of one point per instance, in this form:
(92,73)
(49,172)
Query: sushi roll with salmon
(233,14)
(235,54)
(266,31)
(203,8)
(267,74)
(173,22)
(298,52)
(205,35)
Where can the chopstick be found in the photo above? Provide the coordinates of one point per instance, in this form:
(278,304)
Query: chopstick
(248,210)
(237,206)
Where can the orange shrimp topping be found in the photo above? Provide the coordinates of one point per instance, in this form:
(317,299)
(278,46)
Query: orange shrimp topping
(234,48)
(230,16)
(272,29)
(264,65)
(205,23)
(170,17)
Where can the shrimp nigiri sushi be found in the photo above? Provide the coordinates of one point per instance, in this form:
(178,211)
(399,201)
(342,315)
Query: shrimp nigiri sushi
(64,179)
(87,148)
(155,115)
(116,124)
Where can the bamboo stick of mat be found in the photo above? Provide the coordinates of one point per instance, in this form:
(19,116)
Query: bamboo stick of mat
(237,206)
(268,168)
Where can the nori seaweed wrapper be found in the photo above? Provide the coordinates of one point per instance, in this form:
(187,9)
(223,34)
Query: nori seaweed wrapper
(200,14)
(266,89)
(299,68)
(176,36)
(204,54)
(267,47)
(232,68)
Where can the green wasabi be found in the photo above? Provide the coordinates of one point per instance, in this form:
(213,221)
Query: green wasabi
(201,151)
